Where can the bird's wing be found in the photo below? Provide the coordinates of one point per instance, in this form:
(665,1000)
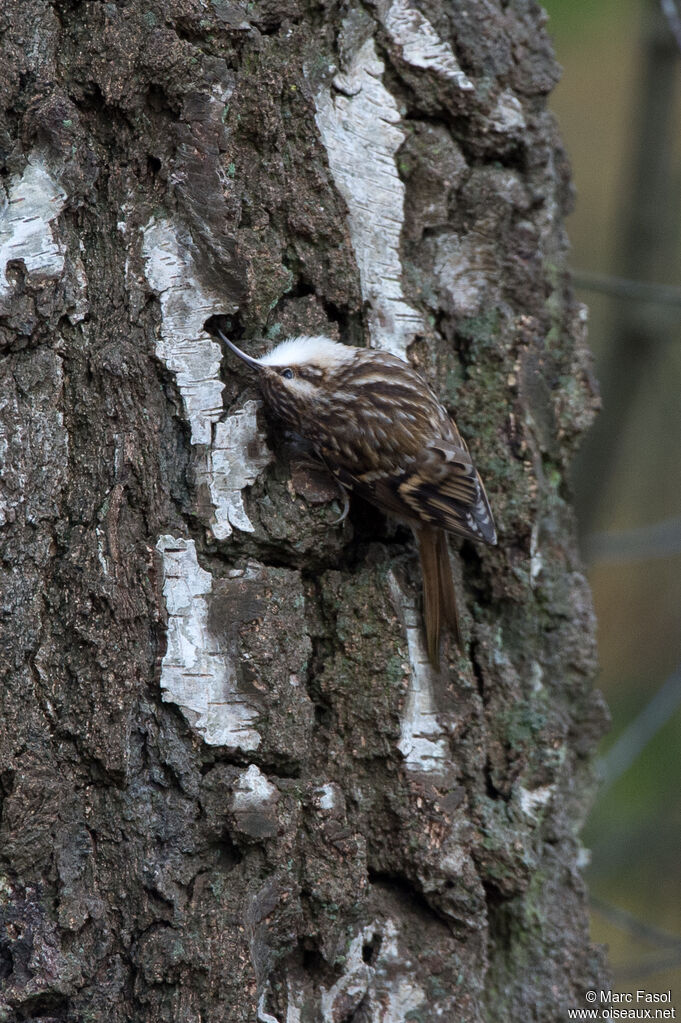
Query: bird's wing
(440,487)
(445,489)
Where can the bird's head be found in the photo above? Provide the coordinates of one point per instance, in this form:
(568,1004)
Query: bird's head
(298,375)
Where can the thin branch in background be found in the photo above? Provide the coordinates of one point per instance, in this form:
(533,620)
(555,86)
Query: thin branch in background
(658,540)
(642,729)
(669,943)
(671,13)
(624,287)
(647,247)
(637,970)
(635,927)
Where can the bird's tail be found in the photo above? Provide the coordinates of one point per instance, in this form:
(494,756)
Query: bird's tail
(439,597)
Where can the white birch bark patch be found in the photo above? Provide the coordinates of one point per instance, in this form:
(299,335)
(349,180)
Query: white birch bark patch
(359,124)
(423,742)
(507,114)
(234,452)
(237,456)
(184,346)
(420,44)
(195,673)
(254,804)
(532,801)
(387,991)
(34,201)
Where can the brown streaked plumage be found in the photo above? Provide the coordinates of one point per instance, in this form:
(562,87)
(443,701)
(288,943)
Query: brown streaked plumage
(380,429)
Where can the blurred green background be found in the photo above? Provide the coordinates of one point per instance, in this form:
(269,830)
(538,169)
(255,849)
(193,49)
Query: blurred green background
(618,106)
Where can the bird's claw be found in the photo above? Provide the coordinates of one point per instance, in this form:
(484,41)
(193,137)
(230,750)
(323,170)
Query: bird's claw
(346,506)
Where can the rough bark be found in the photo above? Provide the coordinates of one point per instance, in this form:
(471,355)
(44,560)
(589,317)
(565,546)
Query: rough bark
(232,788)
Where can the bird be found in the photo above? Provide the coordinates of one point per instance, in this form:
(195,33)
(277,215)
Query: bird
(382,432)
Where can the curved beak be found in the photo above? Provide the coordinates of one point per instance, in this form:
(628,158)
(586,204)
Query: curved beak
(237,351)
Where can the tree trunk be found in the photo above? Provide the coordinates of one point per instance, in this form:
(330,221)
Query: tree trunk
(232,786)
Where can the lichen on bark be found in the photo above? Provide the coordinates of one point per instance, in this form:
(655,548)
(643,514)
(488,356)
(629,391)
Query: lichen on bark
(232,787)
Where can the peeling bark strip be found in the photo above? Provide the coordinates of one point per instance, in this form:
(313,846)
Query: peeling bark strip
(34,201)
(236,458)
(358,121)
(302,822)
(420,44)
(184,346)
(422,741)
(235,452)
(195,674)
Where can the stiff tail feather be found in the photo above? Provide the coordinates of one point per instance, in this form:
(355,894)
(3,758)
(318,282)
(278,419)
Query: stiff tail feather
(439,597)
(450,613)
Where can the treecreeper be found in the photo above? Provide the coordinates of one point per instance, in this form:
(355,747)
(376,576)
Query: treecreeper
(382,432)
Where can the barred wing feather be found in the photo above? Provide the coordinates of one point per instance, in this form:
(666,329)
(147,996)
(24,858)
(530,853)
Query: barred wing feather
(445,490)
(440,488)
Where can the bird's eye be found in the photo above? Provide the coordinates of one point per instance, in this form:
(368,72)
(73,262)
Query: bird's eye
(288,374)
